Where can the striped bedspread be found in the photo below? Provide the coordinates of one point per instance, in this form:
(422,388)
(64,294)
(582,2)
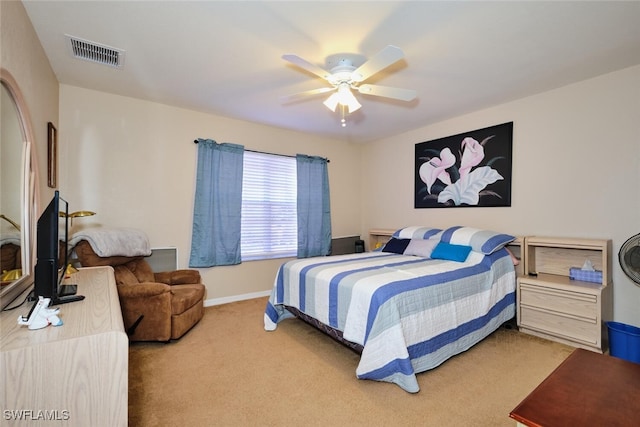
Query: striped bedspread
(410,314)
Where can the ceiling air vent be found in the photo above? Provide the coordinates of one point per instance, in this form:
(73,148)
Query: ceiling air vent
(96,52)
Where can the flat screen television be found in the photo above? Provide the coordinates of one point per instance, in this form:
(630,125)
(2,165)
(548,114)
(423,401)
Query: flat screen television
(52,255)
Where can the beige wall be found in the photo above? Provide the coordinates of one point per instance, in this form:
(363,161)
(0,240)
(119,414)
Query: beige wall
(576,164)
(22,55)
(26,68)
(576,170)
(133,162)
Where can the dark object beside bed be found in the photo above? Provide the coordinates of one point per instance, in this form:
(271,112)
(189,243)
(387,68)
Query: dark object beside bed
(332,332)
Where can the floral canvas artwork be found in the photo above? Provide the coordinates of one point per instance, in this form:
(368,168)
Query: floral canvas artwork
(465,170)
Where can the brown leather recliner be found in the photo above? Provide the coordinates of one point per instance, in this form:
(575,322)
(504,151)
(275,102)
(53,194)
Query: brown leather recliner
(155,306)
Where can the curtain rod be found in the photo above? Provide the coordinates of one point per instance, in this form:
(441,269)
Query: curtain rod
(195,141)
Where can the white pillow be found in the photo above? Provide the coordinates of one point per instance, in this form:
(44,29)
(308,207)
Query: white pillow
(417,232)
(483,241)
(421,247)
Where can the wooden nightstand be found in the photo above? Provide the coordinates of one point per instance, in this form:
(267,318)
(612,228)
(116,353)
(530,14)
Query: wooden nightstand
(379,236)
(551,305)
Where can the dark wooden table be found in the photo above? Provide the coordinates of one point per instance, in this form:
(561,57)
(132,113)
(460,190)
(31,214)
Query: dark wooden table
(587,389)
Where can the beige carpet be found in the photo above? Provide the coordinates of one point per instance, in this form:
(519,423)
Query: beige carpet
(228,371)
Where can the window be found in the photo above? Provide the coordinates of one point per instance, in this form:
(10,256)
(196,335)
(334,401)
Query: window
(269,215)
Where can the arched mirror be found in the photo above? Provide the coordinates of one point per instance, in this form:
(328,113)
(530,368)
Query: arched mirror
(17,188)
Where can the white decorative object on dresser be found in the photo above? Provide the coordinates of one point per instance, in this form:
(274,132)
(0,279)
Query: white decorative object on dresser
(551,305)
(75,374)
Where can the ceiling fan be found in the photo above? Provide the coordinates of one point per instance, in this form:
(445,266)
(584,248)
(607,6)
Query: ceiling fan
(345,77)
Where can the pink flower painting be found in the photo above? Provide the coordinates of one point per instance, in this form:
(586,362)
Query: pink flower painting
(479,175)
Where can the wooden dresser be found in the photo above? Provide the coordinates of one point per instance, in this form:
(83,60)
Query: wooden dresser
(587,389)
(71,375)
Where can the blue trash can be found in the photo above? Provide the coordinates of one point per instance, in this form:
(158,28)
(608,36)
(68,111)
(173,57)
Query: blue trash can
(624,341)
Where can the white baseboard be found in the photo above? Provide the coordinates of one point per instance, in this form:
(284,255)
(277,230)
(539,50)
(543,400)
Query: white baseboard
(225,300)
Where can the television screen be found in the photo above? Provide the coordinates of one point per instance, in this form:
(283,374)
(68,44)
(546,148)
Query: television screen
(51,254)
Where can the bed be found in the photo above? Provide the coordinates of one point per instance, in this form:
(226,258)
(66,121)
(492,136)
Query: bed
(426,296)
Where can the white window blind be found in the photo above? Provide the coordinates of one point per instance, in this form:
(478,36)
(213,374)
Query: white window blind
(269,213)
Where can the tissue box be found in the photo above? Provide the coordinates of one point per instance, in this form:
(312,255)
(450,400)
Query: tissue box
(576,273)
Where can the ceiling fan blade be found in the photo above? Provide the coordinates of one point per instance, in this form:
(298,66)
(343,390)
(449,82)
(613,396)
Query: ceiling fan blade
(300,95)
(306,65)
(381,60)
(388,92)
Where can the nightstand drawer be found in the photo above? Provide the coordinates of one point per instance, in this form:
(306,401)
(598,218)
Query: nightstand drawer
(561,325)
(572,304)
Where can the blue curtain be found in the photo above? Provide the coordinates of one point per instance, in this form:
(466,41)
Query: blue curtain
(314,210)
(215,238)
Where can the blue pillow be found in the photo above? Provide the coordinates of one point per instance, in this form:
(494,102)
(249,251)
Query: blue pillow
(396,246)
(451,252)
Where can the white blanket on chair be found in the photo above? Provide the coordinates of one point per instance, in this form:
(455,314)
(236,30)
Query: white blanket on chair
(114,241)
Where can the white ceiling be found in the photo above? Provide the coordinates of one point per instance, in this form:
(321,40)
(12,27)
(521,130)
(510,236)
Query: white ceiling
(224,57)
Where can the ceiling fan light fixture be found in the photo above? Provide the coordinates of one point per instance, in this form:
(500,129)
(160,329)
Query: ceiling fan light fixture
(344,97)
(347,98)
(332,102)
(353,104)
